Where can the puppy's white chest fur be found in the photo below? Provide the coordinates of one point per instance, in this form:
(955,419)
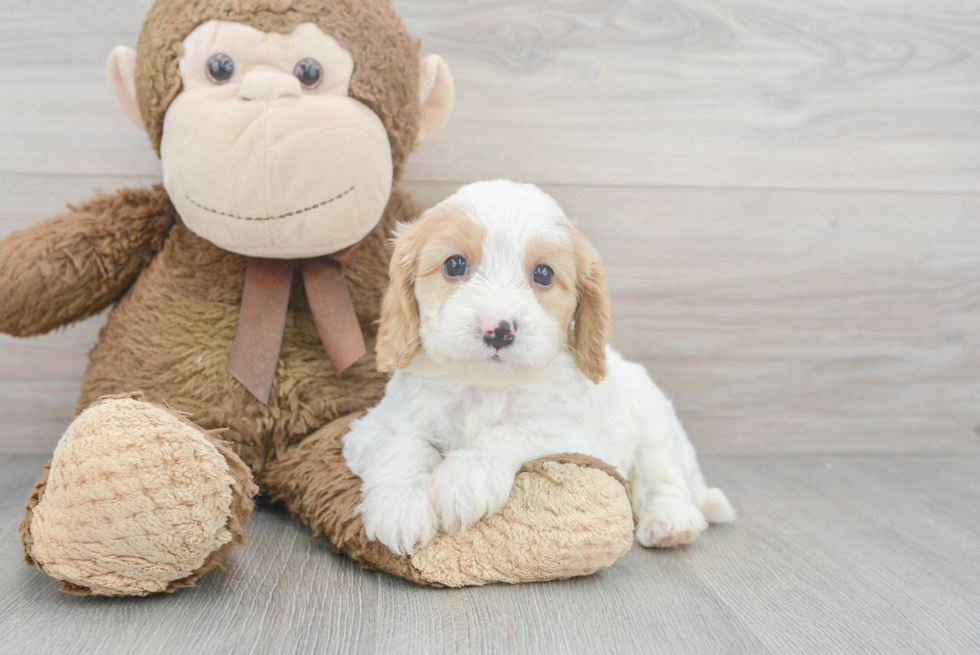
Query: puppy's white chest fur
(546,411)
(536,407)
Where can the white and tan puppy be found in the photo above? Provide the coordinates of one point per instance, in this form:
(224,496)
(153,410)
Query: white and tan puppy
(496,321)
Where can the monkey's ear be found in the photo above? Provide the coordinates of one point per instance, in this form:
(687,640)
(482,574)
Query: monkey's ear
(436,95)
(121,69)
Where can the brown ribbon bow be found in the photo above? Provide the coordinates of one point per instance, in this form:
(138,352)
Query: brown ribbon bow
(262,320)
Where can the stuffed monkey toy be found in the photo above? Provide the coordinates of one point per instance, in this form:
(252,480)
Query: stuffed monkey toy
(244,292)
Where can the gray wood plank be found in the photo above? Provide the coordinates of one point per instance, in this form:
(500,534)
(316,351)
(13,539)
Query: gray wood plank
(830,554)
(850,534)
(779,321)
(880,94)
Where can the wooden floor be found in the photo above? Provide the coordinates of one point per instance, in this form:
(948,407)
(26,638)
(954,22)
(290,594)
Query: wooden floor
(833,554)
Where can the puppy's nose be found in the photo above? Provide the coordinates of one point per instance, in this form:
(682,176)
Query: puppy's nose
(500,336)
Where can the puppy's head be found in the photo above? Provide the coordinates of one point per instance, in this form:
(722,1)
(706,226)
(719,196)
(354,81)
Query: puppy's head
(495,278)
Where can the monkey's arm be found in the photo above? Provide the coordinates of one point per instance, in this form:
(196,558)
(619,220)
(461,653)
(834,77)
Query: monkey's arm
(72,266)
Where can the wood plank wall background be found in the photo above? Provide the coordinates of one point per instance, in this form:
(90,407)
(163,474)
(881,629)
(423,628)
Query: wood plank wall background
(786,194)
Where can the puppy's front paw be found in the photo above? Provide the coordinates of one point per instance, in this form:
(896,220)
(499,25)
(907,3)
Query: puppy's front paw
(467,486)
(670,523)
(399,515)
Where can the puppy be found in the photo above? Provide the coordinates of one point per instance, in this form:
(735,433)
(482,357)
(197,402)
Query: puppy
(495,322)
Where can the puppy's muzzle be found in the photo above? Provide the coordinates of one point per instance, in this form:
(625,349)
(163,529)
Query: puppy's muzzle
(500,336)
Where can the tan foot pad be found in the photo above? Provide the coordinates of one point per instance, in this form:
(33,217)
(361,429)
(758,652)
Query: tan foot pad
(137,500)
(567,515)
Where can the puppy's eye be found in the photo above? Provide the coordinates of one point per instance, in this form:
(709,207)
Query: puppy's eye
(455,266)
(543,275)
(220,68)
(308,73)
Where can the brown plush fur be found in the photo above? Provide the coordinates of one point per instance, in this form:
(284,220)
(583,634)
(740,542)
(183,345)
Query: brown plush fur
(26,538)
(75,265)
(171,336)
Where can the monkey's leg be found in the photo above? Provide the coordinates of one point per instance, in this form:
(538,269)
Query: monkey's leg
(136,500)
(567,515)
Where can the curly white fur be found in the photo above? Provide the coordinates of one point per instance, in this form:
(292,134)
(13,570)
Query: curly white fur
(457,422)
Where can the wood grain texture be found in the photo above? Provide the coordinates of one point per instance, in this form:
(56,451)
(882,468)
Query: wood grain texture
(831,554)
(877,94)
(779,321)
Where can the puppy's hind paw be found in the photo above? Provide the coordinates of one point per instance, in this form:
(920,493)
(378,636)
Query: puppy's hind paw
(715,506)
(671,524)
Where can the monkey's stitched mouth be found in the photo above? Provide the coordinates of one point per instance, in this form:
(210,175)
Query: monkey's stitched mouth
(269,218)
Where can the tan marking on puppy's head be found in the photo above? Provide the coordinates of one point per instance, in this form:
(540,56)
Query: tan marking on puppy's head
(421,249)
(560,299)
(592,314)
(578,295)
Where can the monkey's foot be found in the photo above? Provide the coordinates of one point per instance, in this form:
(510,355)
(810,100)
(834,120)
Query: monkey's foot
(566,516)
(136,500)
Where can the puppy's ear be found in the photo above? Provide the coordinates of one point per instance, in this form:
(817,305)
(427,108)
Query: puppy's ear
(398,334)
(592,318)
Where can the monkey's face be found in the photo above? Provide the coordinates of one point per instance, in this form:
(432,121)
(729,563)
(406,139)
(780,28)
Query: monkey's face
(280,144)
(264,153)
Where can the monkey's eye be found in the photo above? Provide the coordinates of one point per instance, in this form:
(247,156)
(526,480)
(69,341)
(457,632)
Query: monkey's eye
(308,73)
(220,68)
(543,275)
(455,266)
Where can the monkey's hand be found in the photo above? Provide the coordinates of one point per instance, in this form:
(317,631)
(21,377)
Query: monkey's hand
(72,266)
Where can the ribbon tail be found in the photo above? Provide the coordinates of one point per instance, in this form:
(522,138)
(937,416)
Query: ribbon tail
(261,324)
(333,312)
